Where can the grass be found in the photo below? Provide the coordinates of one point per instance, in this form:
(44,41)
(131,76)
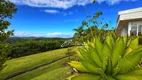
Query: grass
(55,71)
(22,63)
(54,75)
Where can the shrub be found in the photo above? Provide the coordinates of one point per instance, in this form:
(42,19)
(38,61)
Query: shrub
(23,48)
(140,40)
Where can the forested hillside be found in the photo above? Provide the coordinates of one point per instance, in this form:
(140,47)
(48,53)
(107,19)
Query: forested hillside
(18,47)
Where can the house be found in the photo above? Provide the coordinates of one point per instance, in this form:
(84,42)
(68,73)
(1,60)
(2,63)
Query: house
(129,22)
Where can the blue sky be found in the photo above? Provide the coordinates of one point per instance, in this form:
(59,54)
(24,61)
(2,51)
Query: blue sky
(57,18)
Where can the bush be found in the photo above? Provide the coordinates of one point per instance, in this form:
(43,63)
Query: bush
(27,47)
(140,40)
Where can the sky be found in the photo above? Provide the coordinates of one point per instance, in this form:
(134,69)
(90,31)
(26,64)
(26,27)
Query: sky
(58,18)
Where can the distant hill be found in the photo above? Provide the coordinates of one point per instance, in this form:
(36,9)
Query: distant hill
(13,39)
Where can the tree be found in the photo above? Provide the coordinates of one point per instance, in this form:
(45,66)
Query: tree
(6,12)
(94,25)
(114,59)
(79,33)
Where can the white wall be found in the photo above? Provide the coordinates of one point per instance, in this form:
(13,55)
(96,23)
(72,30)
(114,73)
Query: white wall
(124,31)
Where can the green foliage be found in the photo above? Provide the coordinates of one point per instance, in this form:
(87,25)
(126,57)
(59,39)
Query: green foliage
(94,1)
(6,10)
(140,40)
(79,32)
(95,27)
(32,46)
(113,59)
(2,55)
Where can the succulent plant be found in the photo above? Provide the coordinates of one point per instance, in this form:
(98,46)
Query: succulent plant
(109,60)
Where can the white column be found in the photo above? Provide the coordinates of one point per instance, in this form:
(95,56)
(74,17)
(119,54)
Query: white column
(137,29)
(129,28)
(140,25)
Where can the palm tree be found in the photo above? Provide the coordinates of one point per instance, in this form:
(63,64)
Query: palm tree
(79,31)
(77,38)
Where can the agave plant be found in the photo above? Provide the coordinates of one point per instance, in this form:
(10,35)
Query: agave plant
(109,60)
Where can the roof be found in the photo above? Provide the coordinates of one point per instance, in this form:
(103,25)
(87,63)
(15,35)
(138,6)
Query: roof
(130,11)
(130,14)
(126,16)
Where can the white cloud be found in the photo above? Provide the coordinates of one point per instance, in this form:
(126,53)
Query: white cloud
(52,3)
(62,3)
(70,13)
(51,11)
(72,20)
(59,34)
(67,13)
(112,2)
(31,34)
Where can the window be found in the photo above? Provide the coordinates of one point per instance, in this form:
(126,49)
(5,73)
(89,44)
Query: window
(133,30)
(136,29)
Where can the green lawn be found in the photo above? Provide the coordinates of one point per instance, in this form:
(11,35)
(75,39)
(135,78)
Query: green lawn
(22,63)
(55,71)
(58,74)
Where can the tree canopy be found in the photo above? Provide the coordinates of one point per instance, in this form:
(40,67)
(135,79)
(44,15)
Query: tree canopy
(6,12)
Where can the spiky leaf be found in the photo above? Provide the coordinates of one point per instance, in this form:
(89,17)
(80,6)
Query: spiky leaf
(115,70)
(111,78)
(125,39)
(78,66)
(110,41)
(101,72)
(79,54)
(128,43)
(86,77)
(85,46)
(105,55)
(70,77)
(136,71)
(98,46)
(129,77)
(109,67)
(130,61)
(91,67)
(85,54)
(127,51)
(95,57)
(117,51)
(135,74)
(134,43)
